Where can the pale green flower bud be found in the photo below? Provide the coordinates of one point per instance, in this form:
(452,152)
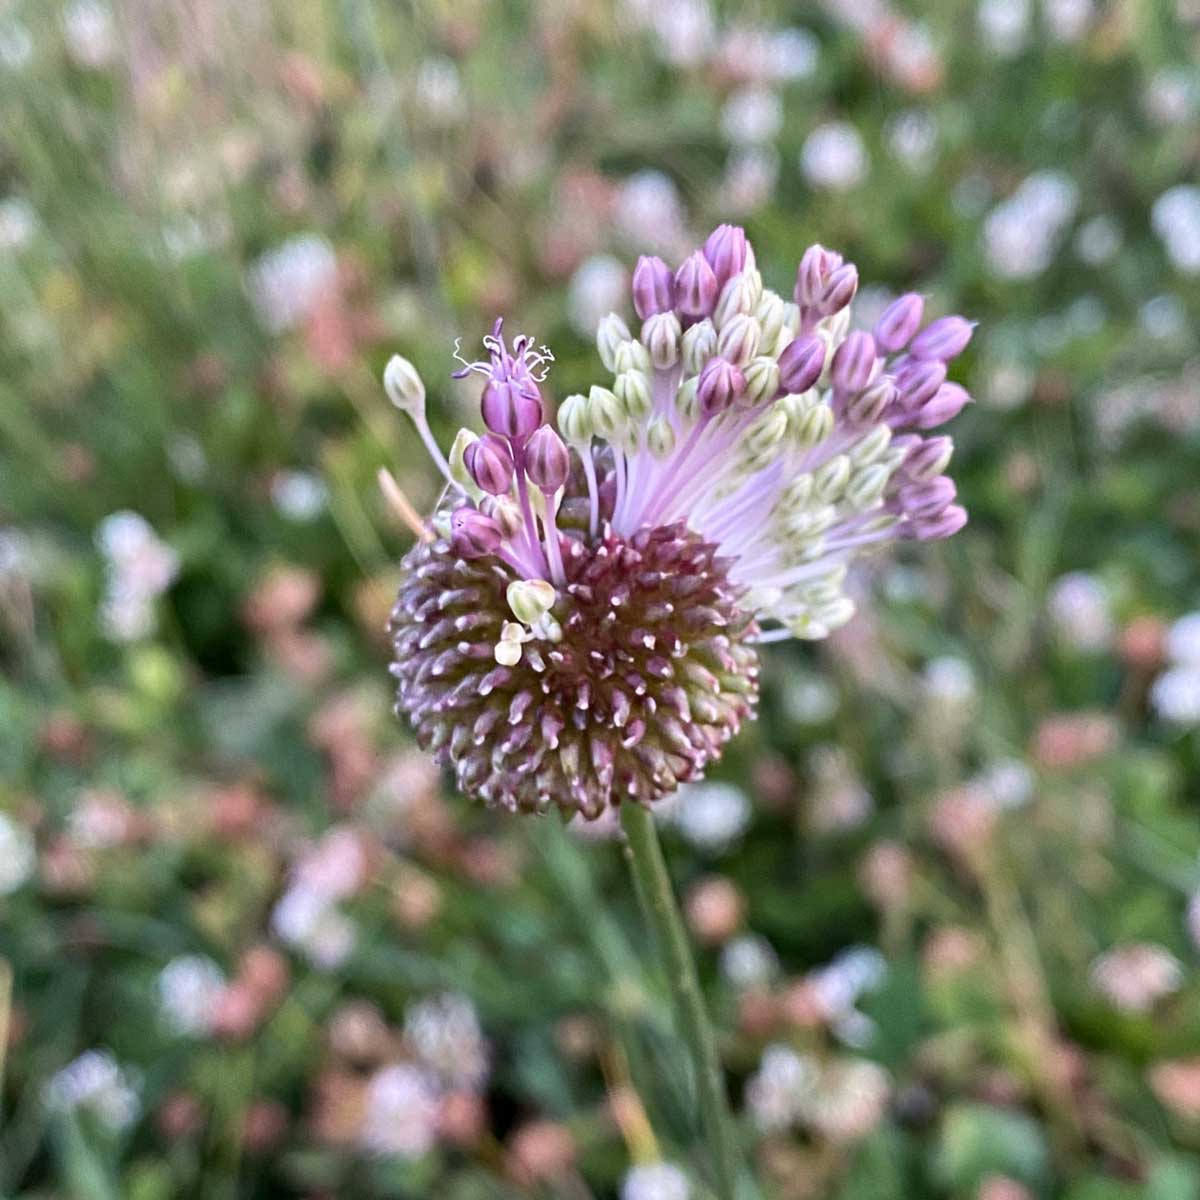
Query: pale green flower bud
(685,398)
(830,478)
(605,413)
(699,345)
(574,420)
(791,317)
(660,437)
(770,315)
(737,299)
(739,340)
(660,336)
(815,426)
(798,493)
(632,389)
(458,467)
(762,381)
(867,486)
(871,446)
(530,599)
(610,334)
(403,386)
(766,433)
(631,356)
(505,511)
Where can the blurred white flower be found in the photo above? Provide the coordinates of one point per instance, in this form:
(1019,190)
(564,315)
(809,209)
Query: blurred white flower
(600,285)
(1021,234)
(438,92)
(96,1083)
(655,1181)
(400,1111)
(335,866)
(711,816)
(299,495)
(446,1037)
(751,115)
(1172,95)
(1067,20)
(308,921)
(949,680)
(1175,217)
(1004,25)
(912,137)
(648,212)
(89,32)
(748,961)
(1136,976)
(1183,641)
(809,699)
(287,283)
(750,178)
(139,568)
(16,45)
(1098,240)
(18,223)
(848,1100)
(1164,318)
(1080,609)
(1008,384)
(1175,695)
(686,31)
(834,157)
(1007,783)
(188,988)
(775,1092)
(18,855)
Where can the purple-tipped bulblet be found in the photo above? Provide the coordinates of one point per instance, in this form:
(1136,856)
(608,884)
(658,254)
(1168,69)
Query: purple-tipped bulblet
(580,629)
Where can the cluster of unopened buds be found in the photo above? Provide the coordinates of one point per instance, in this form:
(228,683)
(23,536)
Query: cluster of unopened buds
(581,625)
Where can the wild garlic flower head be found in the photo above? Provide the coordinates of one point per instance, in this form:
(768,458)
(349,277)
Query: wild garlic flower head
(581,625)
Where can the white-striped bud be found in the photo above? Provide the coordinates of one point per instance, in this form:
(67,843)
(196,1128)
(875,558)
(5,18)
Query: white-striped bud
(660,336)
(632,389)
(699,345)
(660,437)
(610,334)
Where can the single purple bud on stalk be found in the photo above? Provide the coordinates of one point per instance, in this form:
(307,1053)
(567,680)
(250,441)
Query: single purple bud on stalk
(853,363)
(919,382)
(725,251)
(547,462)
(921,501)
(490,461)
(653,287)
(472,535)
(948,401)
(899,322)
(720,385)
(839,289)
(696,287)
(511,407)
(943,339)
(801,364)
(927,458)
(947,523)
(815,267)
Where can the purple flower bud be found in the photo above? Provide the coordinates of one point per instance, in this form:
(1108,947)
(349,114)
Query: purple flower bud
(927,457)
(853,363)
(511,407)
(653,287)
(900,320)
(490,461)
(547,462)
(948,522)
(720,384)
(922,501)
(801,364)
(696,287)
(918,382)
(472,535)
(725,251)
(839,289)
(943,339)
(815,268)
(948,401)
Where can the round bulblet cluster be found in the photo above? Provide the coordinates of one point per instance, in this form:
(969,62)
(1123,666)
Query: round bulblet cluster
(654,671)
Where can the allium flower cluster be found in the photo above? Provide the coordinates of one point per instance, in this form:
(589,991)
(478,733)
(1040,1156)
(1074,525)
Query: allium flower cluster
(581,625)
(95,1082)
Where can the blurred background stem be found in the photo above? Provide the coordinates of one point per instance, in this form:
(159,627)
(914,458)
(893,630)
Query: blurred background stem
(649,868)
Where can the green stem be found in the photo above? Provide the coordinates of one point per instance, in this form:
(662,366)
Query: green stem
(657,898)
